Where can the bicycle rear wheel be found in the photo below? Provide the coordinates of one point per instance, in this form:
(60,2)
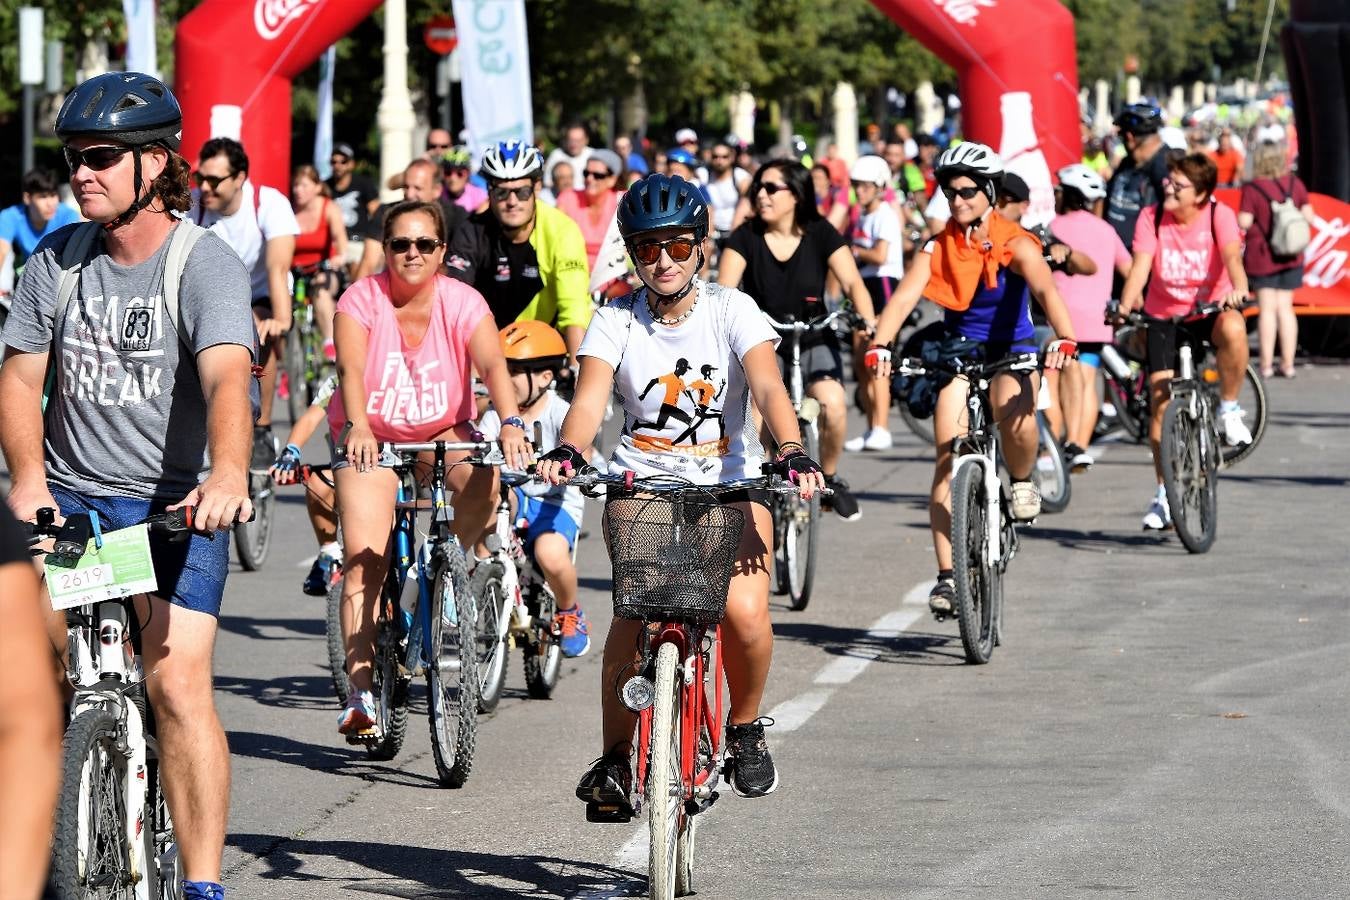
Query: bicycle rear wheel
(493,645)
(389,686)
(337,649)
(90,854)
(663,792)
(452,671)
(1190,465)
(1252,399)
(1051,472)
(297,398)
(253,539)
(543,655)
(800,527)
(975,600)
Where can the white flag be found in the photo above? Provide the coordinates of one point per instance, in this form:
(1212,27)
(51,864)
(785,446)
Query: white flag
(495,70)
(611,261)
(141,36)
(323,121)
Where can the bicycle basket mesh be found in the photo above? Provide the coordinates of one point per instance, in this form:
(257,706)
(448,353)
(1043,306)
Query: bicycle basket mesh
(672,556)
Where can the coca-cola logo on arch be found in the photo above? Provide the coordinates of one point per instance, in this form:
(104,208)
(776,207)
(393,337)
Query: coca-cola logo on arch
(271,17)
(964,12)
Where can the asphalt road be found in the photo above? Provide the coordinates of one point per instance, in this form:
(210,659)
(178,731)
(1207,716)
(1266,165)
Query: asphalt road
(1155,723)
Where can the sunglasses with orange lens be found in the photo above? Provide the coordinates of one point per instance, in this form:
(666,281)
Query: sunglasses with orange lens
(679,249)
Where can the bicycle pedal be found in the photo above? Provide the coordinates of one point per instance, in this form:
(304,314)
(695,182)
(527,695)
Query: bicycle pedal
(364,738)
(609,813)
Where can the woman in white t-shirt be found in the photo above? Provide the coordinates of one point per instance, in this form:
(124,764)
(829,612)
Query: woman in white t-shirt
(686,357)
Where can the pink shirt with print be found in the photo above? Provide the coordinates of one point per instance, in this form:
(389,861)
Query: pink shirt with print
(413,391)
(1188,268)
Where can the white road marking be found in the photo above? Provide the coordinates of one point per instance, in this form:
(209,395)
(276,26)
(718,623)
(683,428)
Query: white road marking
(793,714)
(633,854)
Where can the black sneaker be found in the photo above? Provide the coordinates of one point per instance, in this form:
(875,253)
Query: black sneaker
(609,782)
(842,500)
(751,767)
(264,448)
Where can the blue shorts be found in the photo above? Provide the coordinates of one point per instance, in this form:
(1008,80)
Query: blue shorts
(191,573)
(542,517)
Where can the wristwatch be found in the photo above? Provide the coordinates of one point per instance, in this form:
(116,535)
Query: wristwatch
(514,420)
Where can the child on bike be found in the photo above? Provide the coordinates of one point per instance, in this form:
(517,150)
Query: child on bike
(677,317)
(534,352)
(320,498)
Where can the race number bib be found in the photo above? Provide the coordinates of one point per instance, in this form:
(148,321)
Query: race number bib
(121,568)
(137,328)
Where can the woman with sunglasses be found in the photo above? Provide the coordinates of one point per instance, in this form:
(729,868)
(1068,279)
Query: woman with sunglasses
(980,268)
(406,340)
(592,207)
(653,346)
(781,257)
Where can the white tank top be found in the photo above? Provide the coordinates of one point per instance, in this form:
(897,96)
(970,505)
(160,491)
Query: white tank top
(724,196)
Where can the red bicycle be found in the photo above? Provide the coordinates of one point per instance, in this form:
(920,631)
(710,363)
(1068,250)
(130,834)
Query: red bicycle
(673,546)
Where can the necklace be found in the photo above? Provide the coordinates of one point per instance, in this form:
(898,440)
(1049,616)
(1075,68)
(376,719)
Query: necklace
(657,317)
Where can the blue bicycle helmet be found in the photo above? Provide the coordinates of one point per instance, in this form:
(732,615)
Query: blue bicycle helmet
(662,201)
(1140,119)
(682,156)
(127,107)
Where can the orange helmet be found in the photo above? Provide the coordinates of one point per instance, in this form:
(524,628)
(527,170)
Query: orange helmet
(532,344)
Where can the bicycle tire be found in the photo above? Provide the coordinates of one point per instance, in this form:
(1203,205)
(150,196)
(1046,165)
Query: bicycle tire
(801,535)
(1051,471)
(253,539)
(337,648)
(162,863)
(913,347)
(1189,478)
(87,860)
(975,611)
(390,688)
(662,792)
(452,676)
(1253,400)
(684,857)
(298,396)
(493,640)
(543,657)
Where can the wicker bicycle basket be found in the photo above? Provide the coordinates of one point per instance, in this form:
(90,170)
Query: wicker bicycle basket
(672,556)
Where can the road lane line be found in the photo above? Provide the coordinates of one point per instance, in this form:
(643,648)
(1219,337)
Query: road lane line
(793,714)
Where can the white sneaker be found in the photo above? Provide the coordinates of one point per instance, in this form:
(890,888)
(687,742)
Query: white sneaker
(1081,460)
(874,439)
(1235,431)
(1158,517)
(1025,500)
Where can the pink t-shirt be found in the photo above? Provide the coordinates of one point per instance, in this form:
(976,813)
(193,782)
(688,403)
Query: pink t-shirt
(1086,295)
(1187,267)
(471,198)
(578,208)
(413,393)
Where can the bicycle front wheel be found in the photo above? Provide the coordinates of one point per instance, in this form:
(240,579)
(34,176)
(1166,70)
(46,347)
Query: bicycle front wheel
(389,686)
(297,398)
(801,529)
(452,670)
(974,577)
(90,855)
(664,791)
(1052,470)
(491,628)
(1190,465)
(543,656)
(253,539)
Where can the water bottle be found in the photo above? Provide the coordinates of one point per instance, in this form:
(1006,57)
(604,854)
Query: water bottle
(407,599)
(1115,363)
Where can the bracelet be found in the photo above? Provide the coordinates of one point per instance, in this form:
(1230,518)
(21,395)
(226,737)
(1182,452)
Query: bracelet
(514,420)
(789,447)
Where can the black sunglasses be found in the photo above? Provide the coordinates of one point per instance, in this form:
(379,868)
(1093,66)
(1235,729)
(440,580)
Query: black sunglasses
(771,188)
(96,158)
(438,146)
(965,193)
(524,192)
(339,161)
(212,181)
(648,252)
(590,173)
(425,245)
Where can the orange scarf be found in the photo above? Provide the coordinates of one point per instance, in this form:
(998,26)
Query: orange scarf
(957,265)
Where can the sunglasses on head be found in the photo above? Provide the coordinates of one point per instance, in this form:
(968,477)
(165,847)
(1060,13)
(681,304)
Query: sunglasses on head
(425,245)
(771,188)
(591,173)
(524,192)
(679,249)
(965,193)
(212,181)
(96,158)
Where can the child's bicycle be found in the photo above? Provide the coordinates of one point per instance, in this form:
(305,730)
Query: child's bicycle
(673,546)
(114,837)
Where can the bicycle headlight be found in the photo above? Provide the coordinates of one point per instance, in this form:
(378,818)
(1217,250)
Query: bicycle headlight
(638,693)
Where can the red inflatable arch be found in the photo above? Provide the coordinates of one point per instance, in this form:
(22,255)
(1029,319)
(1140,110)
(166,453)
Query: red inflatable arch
(1018,69)
(234,62)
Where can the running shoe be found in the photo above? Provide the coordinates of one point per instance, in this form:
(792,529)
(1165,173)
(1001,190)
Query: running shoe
(1235,431)
(752,770)
(358,717)
(842,500)
(1025,502)
(320,575)
(609,780)
(1159,516)
(942,598)
(1079,459)
(203,890)
(576,631)
(874,439)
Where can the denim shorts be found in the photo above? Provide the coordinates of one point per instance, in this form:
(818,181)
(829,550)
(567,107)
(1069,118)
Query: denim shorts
(542,517)
(191,573)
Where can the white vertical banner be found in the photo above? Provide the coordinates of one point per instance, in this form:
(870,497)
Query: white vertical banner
(323,120)
(495,71)
(141,36)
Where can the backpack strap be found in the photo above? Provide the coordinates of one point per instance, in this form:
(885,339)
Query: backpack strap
(184,238)
(74,257)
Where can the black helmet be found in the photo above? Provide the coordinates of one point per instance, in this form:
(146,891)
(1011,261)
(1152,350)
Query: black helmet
(127,107)
(662,201)
(1140,119)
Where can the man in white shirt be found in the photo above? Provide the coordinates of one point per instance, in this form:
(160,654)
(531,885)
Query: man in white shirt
(575,149)
(259,225)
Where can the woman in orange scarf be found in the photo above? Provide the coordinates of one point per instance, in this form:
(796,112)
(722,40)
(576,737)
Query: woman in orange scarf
(980,269)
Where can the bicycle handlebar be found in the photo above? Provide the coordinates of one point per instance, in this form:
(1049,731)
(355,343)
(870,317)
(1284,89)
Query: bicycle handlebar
(73,535)
(820,323)
(393,454)
(590,478)
(911,365)
(1203,311)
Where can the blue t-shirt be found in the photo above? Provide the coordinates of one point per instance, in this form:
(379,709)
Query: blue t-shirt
(1002,313)
(18,231)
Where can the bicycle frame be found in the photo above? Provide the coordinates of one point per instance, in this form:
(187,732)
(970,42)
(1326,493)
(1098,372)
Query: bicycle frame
(980,446)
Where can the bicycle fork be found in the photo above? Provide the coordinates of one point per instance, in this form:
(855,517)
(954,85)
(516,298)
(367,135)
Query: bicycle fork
(993,514)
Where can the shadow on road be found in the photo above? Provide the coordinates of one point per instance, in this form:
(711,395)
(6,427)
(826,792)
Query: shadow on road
(310,626)
(390,870)
(1100,541)
(909,647)
(338,758)
(287,692)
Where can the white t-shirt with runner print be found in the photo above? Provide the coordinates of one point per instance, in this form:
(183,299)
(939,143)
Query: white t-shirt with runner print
(684,393)
(882,224)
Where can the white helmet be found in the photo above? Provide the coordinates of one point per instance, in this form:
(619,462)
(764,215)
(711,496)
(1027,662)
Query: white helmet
(1083,180)
(510,160)
(969,158)
(871,169)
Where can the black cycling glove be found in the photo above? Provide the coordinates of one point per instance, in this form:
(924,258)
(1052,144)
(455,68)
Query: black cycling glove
(570,457)
(793,465)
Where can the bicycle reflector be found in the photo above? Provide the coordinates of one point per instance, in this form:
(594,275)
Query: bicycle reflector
(638,693)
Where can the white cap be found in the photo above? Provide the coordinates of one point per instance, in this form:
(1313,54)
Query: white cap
(1173,137)
(685,135)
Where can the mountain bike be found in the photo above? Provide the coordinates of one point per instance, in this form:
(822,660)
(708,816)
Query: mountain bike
(425,620)
(673,547)
(114,837)
(253,538)
(984,536)
(796,522)
(306,366)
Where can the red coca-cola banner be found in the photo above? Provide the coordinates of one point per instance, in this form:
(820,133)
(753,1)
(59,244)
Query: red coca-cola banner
(233,65)
(1018,68)
(1326,290)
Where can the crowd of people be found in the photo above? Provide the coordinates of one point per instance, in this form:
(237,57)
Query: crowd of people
(498,283)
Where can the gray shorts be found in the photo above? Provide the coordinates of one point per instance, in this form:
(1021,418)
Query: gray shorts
(819,362)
